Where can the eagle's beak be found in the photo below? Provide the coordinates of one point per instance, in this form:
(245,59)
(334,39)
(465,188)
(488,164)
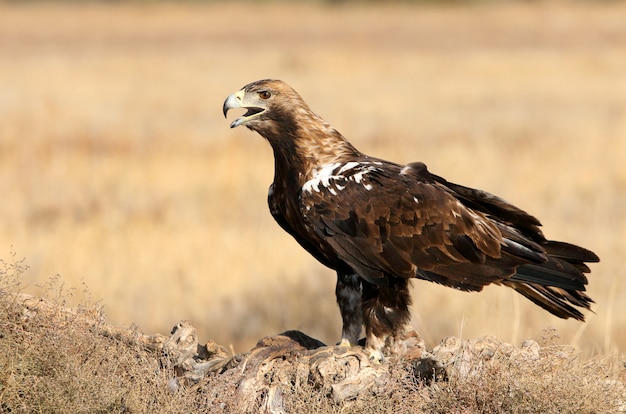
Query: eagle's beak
(235,100)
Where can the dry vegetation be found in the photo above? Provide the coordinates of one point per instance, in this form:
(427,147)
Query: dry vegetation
(61,360)
(118,172)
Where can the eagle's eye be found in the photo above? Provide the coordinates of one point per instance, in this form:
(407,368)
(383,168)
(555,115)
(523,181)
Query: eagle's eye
(264,95)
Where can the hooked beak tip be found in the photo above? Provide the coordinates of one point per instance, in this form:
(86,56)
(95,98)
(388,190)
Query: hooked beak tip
(229,103)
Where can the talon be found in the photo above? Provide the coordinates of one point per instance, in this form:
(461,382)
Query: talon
(376,356)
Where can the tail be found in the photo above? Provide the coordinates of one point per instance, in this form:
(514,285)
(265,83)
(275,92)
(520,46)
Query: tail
(559,284)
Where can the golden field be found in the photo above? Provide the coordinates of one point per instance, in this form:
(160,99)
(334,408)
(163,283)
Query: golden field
(119,173)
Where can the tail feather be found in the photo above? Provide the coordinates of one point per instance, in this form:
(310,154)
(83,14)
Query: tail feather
(555,300)
(559,284)
(570,252)
(554,272)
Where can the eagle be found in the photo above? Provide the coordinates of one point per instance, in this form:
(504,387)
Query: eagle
(380,224)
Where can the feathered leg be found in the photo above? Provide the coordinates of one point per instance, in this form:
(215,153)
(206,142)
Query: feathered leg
(385,313)
(349,291)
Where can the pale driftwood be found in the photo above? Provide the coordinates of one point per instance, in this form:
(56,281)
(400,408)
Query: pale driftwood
(267,375)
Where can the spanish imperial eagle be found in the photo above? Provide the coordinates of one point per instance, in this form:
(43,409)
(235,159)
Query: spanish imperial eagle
(379,224)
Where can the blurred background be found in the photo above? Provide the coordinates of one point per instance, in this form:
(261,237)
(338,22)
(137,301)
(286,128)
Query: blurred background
(119,174)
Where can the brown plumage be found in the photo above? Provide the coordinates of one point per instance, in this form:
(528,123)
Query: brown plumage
(380,224)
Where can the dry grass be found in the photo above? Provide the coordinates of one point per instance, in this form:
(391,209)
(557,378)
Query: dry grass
(552,384)
(56,364)
(556,382)
(118,171)
(54,361)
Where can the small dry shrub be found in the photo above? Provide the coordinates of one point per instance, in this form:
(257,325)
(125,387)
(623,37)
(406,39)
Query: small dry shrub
(555,382)
(55,362)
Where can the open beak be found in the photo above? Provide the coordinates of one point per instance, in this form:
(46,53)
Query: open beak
(235,100)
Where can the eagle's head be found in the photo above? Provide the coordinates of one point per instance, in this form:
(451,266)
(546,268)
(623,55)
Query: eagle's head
(268,102)
(297,135)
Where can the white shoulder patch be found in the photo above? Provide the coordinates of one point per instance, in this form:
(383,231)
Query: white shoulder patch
(348,166)
(334,177)
(321,176)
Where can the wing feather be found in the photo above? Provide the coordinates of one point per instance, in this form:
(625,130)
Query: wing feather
(387,224)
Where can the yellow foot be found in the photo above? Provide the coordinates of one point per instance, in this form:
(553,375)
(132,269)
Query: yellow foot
(344,342)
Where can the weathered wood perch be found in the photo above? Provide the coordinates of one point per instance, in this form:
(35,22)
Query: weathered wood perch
(264,376)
